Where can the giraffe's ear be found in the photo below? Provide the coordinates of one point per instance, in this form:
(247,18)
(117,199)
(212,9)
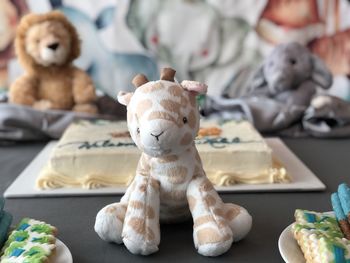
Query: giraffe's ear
(124,97)
(194,86)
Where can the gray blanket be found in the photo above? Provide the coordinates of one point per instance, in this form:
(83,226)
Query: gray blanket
(20,123)
(327,116)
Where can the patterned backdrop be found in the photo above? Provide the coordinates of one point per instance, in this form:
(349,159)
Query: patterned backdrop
(220,42)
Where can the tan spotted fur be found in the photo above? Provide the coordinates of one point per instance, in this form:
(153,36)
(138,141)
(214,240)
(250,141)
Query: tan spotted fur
(170,182)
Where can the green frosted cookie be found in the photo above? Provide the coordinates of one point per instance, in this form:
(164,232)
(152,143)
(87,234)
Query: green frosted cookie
(320,237)
(31,241)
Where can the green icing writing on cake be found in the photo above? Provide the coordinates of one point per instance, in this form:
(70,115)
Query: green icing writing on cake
(97,144)
(218,143)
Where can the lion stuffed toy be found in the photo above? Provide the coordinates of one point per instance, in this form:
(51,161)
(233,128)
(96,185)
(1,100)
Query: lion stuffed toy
(46,45)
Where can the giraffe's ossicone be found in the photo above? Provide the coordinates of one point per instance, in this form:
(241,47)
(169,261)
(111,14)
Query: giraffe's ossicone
(170,183)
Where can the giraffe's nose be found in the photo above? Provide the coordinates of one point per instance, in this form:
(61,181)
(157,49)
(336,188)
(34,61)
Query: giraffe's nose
(157,135)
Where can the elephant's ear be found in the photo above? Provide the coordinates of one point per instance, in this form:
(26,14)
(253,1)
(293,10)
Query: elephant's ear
(258,80)
(320,73)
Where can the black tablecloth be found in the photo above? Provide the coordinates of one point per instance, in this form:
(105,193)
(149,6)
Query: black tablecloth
(272,212)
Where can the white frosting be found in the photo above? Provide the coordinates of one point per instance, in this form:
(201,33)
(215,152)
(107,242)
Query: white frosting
(238,155)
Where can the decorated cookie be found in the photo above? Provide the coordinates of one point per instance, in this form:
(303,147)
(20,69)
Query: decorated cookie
(344,196)
(320,238)
(31,241)
(341,206)
(325,237)
(340,215)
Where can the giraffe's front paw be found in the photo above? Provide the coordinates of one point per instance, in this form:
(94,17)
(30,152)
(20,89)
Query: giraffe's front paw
(140,246)
(109,223)
(210,241)
(214,249)
(240,221)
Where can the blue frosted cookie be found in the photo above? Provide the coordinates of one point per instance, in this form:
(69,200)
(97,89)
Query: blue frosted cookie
(340,215)
(344,196)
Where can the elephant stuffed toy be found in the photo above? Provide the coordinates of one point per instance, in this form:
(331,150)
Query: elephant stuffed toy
(284,85)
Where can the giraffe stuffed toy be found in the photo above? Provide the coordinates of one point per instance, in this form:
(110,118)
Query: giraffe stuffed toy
(170,183)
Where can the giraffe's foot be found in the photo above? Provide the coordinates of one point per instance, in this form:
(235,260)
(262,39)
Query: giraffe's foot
(212,239)
(214,249)
(109,222)
(239,220)
(140,246)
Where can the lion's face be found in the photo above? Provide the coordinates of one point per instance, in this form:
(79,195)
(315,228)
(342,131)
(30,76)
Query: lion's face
(48,43)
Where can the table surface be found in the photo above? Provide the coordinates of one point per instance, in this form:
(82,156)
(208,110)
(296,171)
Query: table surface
(272,212)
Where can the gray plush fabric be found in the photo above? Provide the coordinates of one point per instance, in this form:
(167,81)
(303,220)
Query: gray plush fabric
(326,117)
(291,67)
(21,123)
(282,97)
(284,85)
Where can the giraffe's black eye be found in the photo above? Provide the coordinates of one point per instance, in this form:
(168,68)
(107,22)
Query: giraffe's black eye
(184,119)
(138,130)
(292,61)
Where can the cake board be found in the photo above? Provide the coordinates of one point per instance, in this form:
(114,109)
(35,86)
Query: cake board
(303,178)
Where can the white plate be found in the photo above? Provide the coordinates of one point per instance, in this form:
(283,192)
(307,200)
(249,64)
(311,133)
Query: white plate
(62,254)
(302,178)
(289,248)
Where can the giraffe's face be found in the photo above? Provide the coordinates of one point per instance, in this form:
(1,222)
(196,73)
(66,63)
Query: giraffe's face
(163,118)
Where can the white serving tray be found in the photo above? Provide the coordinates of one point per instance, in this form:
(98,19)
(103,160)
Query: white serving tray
(302,178)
